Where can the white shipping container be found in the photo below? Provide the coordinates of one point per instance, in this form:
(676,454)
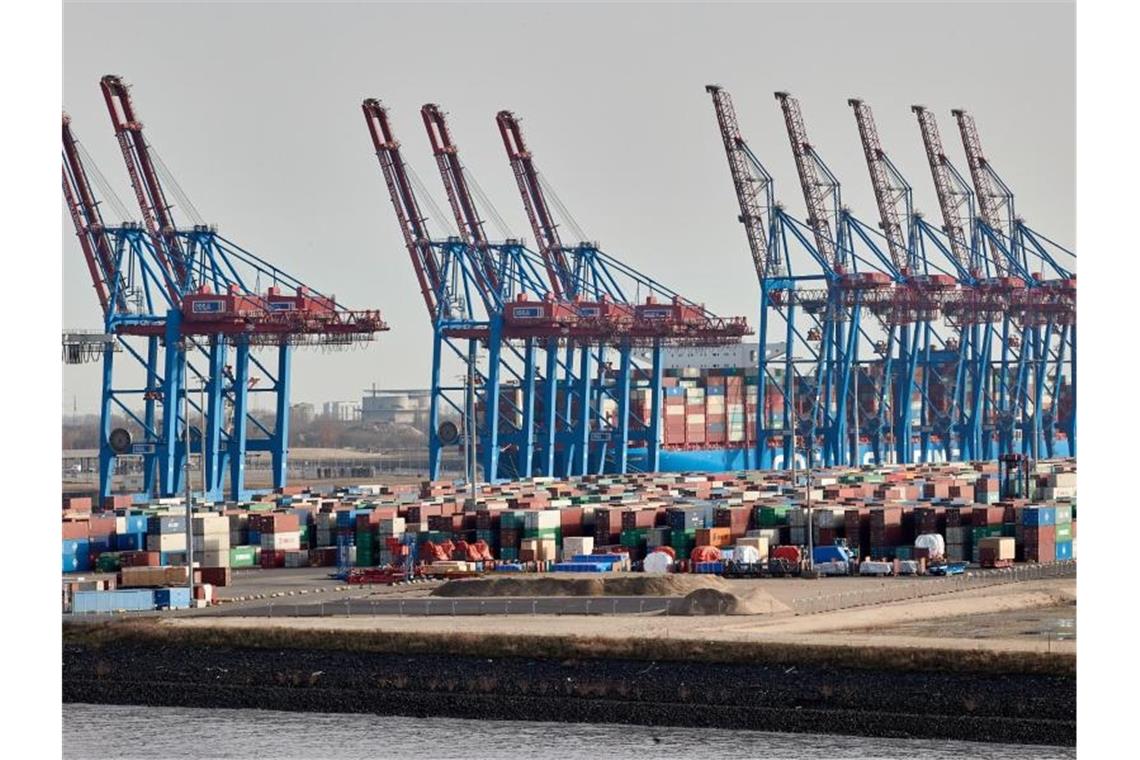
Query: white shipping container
(281,541)
(211,524)
(166,542)
(572,545)
(212,543)
(392,526)
(212,559)
(755,542)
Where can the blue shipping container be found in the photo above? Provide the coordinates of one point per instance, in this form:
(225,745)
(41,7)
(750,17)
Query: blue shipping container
(827,554)
(1040,516)
(174,598)
(136,524)
(714,390)
(708,567)
(130,542)
(100,544)
(76,563)
(1064,550)
(76,546)
(111,601)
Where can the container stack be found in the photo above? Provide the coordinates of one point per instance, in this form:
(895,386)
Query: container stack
(166,535)
(878,511)
(280,533)
(1038,541)
(212,540)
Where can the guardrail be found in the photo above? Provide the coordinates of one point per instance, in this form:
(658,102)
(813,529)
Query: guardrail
(897,590)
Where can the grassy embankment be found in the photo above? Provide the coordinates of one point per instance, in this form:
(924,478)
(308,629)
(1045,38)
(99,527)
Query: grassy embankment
(561,647)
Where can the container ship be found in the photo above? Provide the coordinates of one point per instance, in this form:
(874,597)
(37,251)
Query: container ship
(711,411)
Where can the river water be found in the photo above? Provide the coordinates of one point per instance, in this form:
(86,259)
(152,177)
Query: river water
(93,732)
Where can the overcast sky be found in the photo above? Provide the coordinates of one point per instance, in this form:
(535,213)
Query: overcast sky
(255,108)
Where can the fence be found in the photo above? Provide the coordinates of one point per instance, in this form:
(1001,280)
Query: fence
(897,590)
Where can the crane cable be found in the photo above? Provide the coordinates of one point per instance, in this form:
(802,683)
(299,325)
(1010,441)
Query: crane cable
(168,180)
(106,192)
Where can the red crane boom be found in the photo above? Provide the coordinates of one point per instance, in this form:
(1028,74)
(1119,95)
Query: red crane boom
(416,238)
(887,196)
(990,199)
(84,210)
(809,178)
(952,202)
(749,187)
(541,221)
(144,180)
(455,183)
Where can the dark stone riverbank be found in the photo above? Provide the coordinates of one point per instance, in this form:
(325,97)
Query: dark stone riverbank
(785,697)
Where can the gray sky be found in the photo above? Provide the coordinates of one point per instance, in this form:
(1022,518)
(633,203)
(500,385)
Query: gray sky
(256,110)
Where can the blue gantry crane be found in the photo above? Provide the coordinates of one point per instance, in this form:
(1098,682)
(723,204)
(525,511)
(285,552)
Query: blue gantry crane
(1034,399)
(175,300)
(533,417)
(908,333)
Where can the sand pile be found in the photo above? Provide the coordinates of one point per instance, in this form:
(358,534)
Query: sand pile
(576,585)
(713,601)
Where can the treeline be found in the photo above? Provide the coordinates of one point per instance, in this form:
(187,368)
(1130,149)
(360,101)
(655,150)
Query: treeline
(82,432)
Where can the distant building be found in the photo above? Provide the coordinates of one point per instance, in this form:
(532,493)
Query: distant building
(396,407)
(302,413)
(341,411)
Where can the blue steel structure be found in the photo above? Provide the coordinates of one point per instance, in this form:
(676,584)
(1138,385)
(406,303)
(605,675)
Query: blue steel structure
(548,322)
(1039,276)
(974,386)
(828,342)
(177,300)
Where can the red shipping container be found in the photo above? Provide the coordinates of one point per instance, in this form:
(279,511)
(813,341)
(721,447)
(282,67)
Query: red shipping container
(77,503)
(140,559)
(280,522)
(73,529)
(215,576)
(272,559)
(101,526)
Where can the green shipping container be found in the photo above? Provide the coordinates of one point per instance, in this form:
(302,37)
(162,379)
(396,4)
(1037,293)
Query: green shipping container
(633,538)
(771,517)
(108,562)
(1064,532)
(243,556)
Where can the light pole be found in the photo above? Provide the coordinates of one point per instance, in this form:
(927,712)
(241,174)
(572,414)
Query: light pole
(186,468)
(471,427)
(858,458)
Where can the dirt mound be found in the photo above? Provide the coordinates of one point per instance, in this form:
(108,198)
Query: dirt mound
(576,585)
(712,601)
